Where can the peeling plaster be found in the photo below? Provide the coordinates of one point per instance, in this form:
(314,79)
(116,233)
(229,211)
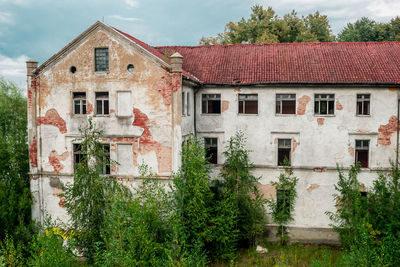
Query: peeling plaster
(338,105)
(320,121)
(225,105)
(54,160)
(302,106)
(52,118)
(312,187)
(386,131)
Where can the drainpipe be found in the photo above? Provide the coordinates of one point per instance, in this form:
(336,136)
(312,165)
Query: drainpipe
(397,143)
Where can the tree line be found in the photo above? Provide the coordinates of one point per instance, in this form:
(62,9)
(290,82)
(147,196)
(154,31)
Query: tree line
(265,26)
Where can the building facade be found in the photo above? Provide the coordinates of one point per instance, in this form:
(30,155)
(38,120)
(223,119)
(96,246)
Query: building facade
(318,104)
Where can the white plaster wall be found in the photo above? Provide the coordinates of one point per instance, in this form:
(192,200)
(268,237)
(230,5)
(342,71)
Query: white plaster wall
(320,147)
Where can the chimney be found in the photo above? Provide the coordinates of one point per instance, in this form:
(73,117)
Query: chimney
(176,63)
(31,65)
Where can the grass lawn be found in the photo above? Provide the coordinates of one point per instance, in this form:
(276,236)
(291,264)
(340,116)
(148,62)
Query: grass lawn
(290,255)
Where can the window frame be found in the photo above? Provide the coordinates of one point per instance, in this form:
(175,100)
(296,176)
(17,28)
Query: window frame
(244,104)
(220,104)
(106,161)
(362,101)
(76,152)
(108,60)
(287,148)
(281,104)
(327,99)
(211,145)
(360,149)
(81,104)
(102,101)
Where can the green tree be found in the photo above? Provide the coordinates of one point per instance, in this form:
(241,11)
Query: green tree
(282,207)
(264,26)
(15,196)
(87,196)
(239,186)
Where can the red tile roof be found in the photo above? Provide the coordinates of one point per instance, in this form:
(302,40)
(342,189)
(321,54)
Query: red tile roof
(292,63)
(320,63)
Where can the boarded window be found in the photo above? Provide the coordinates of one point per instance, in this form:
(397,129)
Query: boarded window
(248,104)
(211,104)
(124,100)
(79,102)
(362,152)
(324,104)
(285,104)
(102,103)
(363,104)
(211,146)
(284,147)
(125,159)
(101,59)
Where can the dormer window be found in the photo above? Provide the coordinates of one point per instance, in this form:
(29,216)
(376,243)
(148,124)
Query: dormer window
(101,59)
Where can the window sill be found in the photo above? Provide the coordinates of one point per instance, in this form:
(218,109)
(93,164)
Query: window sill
(324,115)
(122,117)
(244,114)
(79,115)
(97,115)
(364,116)
(101,73)
(210,114)
(285,115)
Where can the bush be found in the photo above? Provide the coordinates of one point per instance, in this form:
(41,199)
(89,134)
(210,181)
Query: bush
(282,207)
(11,252)
(368,223)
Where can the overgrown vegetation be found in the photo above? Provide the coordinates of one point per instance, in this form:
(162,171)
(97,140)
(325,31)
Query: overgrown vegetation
(368,221)
(265,26)
(282,207)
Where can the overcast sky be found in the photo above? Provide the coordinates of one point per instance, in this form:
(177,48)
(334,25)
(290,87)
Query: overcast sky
(39,28)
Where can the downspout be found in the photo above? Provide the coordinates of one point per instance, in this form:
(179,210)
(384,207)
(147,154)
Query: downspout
(196,90)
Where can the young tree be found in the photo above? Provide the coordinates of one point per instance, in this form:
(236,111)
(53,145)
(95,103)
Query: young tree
(86,197)
(282,207)
(240,190)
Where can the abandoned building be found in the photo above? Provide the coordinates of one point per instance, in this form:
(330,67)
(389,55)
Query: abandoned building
(318,104)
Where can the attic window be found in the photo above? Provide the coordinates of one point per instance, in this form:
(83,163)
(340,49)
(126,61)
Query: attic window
(101,59)
(72,69)
(130,67)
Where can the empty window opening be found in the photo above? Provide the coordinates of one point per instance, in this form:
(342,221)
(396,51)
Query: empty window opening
(130,68)
(362,152)
(284,148)
(211,104)
(282,201)
(363,104)
(79,102)
(211,146)
(285,104)
(102,103)
(101,59)
(188,103)
(104,162)
(183,103)
(248,104)
(72,69)
(324,104)
(78,155)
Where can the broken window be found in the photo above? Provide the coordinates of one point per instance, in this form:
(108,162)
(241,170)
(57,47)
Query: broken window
(363,104)
(284,147)
(124,100)
(362,152)
(188,103)
(324,104)
(101,59)
(183,103)
(282,201)
(248,104)
(105,161)
(79,102)
(78,155)
(102,107)
(285,104)
(211,146)
(211,104)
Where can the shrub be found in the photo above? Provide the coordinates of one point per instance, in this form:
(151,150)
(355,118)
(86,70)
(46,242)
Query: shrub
(11,252)
(282,207)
